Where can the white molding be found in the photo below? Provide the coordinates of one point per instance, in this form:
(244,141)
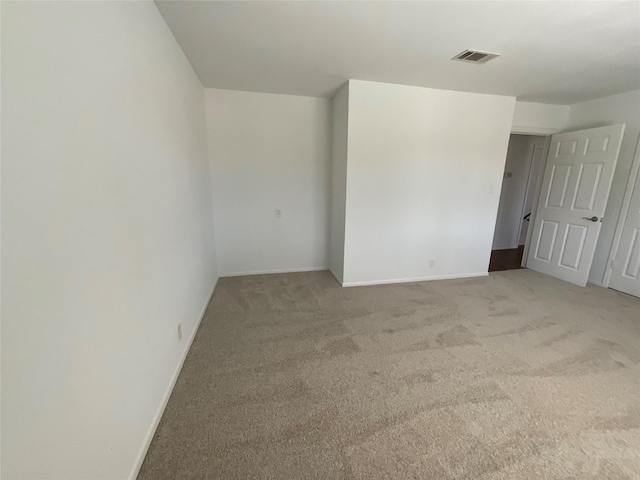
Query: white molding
(167,394)
(527,188)
(505,247)
(415,279)
(634,176)
(536,199)
(270,272)
(337,277)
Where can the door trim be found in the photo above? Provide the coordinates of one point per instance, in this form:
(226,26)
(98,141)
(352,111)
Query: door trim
(624,211)
(536,198)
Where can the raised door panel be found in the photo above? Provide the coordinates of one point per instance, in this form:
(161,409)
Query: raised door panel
(587,188)
(557,189)
(546,240)
(573,246)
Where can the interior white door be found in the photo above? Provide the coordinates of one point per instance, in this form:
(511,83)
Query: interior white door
(574,195)
(626,266)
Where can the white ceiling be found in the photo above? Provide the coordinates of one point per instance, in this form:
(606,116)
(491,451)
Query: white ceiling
(561,52)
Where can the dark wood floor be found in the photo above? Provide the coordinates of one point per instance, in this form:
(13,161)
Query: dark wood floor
(506,259)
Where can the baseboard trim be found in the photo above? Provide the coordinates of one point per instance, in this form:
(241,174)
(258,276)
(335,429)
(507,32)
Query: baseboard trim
(506,247)
(337,277)
(271,272)
(597,283)
(415,279)
(165,399)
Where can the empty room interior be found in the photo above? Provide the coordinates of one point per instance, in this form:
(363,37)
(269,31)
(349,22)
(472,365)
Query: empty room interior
(320,240)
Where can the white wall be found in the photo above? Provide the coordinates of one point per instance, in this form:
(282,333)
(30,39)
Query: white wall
(269,152)
(539,118)
(340,108)
(623,108)
(514,189)
(107,232)
(424,171)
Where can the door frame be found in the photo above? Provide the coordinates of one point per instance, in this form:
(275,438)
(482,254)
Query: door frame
(634,176)
(534,188)
(536,132)
(536,196)
(526,192)
(545,153)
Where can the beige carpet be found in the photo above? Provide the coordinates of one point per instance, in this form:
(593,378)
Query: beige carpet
(511,376)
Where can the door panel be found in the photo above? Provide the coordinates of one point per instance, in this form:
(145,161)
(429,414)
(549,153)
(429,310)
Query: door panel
(573,246)
(588,181)
(575,188)
(597,144)
(567,147)
(558,189)
(546,240)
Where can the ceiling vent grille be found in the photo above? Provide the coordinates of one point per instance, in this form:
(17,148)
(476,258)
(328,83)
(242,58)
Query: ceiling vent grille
(474,56)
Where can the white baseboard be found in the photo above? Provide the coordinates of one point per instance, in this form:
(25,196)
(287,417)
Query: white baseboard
(505,247)
(416,279)
(337,277)
(165,399)
(270,272)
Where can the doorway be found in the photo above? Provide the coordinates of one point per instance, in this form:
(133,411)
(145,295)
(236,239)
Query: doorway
(523,171)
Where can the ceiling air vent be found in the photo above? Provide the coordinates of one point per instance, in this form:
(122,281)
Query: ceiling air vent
(474,56)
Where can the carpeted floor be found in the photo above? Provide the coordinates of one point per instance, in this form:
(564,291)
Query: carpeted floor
(512,376)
